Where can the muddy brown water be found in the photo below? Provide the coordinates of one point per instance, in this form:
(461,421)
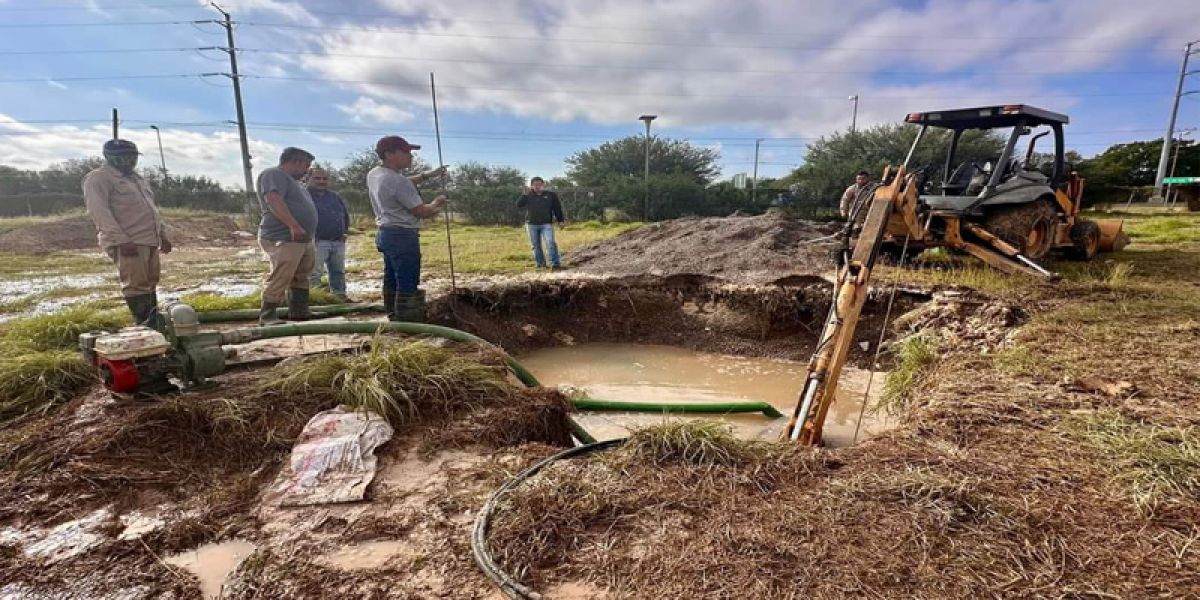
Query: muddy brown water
(671,374)
(212,563)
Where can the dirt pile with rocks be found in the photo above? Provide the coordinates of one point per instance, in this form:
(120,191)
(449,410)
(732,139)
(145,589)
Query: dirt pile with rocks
(78,233)
(762,249)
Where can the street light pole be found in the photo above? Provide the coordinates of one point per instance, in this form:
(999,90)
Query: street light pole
(754,185)
(854,118)
(646,193)
(161,157)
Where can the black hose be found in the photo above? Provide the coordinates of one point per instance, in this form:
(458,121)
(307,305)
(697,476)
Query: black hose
(509,586)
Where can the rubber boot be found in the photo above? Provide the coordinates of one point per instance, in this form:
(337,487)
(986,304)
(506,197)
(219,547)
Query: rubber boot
(298,305)
(389,304)
(144,309)
(410,308)
(267,314)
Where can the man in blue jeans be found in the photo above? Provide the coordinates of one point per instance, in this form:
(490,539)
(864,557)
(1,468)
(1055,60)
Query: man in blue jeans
(398,211)
(333,223)
(542,209)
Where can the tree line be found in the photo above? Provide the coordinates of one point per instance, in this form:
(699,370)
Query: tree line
(608,182)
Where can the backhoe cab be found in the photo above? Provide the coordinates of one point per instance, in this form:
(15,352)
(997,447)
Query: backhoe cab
(1032,207)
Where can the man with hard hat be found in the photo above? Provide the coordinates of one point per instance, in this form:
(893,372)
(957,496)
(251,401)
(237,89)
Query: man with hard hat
(129,227)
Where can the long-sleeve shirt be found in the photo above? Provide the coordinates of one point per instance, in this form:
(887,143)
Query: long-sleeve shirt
(541,209)
(333,218)
(122,208)
(848,198)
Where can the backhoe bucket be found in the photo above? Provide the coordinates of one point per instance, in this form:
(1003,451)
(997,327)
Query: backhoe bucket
(1112,237)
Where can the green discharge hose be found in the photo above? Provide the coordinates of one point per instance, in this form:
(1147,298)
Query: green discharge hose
(250,334)
(679,407)
(250,314)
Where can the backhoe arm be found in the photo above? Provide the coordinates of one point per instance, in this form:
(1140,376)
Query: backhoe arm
(850,293)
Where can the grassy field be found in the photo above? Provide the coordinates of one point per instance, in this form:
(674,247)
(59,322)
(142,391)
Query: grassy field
(486,250)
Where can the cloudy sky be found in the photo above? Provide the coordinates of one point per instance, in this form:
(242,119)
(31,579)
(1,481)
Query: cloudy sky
(527,82)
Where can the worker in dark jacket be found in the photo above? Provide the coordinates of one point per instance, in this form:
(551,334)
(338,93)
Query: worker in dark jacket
(542,209)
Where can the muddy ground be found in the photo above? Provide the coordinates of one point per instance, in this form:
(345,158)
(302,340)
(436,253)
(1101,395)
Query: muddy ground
(739,249)
(1043,452)
(78,233)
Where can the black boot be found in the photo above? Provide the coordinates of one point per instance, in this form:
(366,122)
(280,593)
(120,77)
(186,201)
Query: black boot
(389,304)
(144,309)
(267,314)
(298,305)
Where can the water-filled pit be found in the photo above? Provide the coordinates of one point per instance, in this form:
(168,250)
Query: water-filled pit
(666,374)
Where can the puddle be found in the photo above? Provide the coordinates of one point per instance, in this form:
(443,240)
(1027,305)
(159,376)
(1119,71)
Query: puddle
(670,374)
(212,563)
(368,555)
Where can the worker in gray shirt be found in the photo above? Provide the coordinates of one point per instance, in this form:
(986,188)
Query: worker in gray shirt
(398,211)
(289,220)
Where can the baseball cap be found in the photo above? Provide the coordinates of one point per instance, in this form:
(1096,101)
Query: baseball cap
(392,143)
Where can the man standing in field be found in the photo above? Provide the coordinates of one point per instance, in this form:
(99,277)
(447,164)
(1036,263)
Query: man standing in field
(398,211)
(289,220)
(542,209)
(851,194)
(128,227)
(333,223)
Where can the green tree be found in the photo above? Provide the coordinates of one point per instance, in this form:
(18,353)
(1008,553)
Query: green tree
(473,174)
(626,158)
(831,162)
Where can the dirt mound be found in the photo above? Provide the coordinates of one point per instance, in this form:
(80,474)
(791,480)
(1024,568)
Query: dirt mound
(759,249)
(78,233)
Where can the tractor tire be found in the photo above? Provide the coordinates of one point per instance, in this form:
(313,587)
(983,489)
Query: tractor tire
(1085,240)
(1029,228)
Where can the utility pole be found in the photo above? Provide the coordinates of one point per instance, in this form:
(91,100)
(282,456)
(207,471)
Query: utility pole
(754,186)
(854,116)
(251,199)
(1188,51)
(115,136)
(1175,159)
(646,193)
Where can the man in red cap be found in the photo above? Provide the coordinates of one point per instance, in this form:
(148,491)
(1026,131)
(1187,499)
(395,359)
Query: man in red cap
(398,211)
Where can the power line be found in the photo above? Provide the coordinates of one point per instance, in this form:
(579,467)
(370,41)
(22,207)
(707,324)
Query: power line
(706,32)
(108,24)
(640,67)
(103,9)
(421,85)
(95,51)
(544,39)
(106,77)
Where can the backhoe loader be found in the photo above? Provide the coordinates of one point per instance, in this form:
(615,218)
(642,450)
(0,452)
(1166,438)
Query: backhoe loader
(1007,214)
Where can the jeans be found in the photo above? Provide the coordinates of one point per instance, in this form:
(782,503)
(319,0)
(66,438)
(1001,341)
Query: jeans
(331,255)
(537,233)
(401,249)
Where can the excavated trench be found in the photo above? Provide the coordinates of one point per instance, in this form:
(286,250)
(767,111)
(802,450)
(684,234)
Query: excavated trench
(687,311)
(684,338)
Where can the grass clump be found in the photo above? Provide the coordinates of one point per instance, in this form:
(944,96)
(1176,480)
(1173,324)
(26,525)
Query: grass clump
(209,301)
(36,381)
(39,366)
(1165,230)
(399,381)
(1156,465)
(913,355)
(692,442)
(60,330)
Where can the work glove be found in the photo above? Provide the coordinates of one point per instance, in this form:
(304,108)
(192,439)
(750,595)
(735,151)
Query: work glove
(165,246)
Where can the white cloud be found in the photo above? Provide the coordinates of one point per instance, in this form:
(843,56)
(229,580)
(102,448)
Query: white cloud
(791,75)
(369,110)
(215,154)
(293,11)
(55,84)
